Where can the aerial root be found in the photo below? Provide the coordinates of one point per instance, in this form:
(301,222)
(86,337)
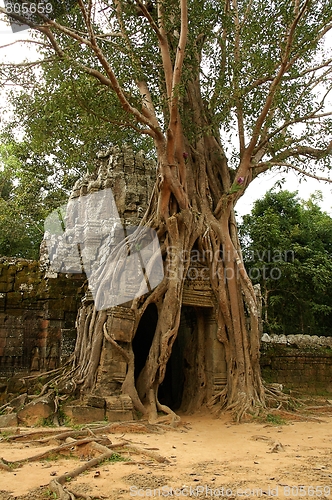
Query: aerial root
(218,402)
(171,417)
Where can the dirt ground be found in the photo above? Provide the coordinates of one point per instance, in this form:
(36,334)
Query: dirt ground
(207,458)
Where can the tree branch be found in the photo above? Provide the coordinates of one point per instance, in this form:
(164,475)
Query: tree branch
(82,103)
(178,66)
(165,52)
(148,16)
(237,58)
(284,66)
(311,116)
(263,167)
(148,109)
(110,80)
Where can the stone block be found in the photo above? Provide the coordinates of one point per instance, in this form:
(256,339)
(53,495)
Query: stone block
(119,408)
(83,414)
(96,401)
(35,412)
(13,351)
(16,385)
(121,323)
(119,415)
(9,420)
(121,402)
(14,299)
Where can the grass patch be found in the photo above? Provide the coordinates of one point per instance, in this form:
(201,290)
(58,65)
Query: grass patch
(275,419)
(46,422)
(6,434)
(50,494)
(53,457)
(115,457)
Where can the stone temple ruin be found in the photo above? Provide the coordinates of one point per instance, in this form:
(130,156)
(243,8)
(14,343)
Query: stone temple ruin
(131,178)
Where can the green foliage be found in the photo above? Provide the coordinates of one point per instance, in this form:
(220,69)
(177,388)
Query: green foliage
(287,249)
(275,419)
(63,113)
(115,457)
(50,494)
(46,422)
(30,188)
(4,435)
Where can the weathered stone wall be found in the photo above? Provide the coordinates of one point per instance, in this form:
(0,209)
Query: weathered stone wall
(298,362)
(38,305)
(37,316)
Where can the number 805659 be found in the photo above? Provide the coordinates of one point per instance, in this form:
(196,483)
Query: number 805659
(307,491)
(26,9)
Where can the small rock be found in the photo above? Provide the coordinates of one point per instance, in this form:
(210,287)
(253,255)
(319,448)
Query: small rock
(70,440)
(276,448)
(266,337)
(9,420)
(36,411)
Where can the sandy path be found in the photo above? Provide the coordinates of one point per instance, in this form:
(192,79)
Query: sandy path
(209,458)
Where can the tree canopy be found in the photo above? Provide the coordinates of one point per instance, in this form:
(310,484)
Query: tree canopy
(287,245)
(264,73)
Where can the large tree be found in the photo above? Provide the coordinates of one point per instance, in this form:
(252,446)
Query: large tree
(224,91)
(30,188)
(287,245)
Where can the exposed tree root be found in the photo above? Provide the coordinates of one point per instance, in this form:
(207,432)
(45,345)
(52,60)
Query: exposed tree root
(294,415)
(33,435)
(244,405)
(148,453)
(57,450)
(57,485)
(278,399)
(103,447)
(4,465)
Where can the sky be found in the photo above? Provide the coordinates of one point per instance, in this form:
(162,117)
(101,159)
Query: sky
(257,189)
(305,188)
